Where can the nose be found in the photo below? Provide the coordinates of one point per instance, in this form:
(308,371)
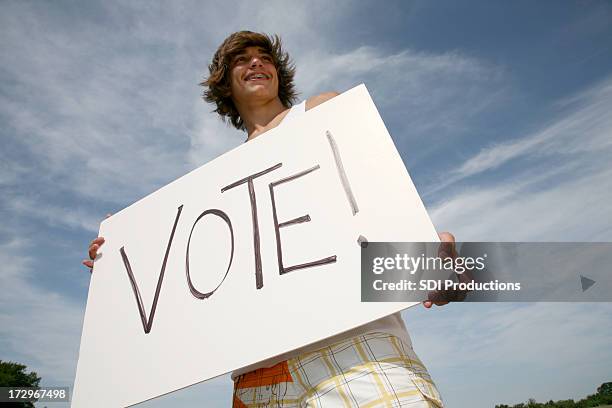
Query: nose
(256,61)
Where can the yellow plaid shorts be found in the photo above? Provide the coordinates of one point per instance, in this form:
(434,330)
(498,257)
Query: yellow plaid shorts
(374,370)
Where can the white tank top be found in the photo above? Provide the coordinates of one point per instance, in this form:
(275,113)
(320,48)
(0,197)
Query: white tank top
(392,324)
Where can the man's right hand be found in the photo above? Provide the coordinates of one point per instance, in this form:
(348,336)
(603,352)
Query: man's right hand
(93,251)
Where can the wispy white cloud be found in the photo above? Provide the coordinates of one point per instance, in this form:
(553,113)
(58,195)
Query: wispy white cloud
(584,126)
(73,217)
(568,210)
(210,137)
(106,122)
(559,193)
(432,95)
(503,348)
(38,327)
(11,172)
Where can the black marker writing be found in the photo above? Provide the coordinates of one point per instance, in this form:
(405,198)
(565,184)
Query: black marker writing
(148,322)
(342,173)
(277,226)
(225,218)
(256,244)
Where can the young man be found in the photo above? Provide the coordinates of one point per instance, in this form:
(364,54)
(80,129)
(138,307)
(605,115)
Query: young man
(251,85)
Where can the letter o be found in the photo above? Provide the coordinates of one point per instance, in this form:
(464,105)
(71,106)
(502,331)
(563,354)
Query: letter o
(227,220)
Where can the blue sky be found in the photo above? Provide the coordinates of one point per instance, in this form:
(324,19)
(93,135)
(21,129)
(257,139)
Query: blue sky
(501,112)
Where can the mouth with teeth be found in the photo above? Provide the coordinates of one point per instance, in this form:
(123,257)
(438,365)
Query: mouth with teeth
(257,76)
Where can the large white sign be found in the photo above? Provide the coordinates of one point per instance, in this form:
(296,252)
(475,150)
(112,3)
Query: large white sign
(250,256)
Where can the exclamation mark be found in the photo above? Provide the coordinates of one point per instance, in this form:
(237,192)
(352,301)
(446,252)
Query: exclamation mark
(341,173)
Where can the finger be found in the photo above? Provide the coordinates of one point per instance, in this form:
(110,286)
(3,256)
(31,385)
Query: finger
(447,246)
(439,298)
(93,251)
(434,296)
(88,263)
(442,297)
(97,241)
(460,297)
(446,237)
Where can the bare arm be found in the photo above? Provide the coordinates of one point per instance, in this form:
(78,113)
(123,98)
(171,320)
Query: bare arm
(319,99)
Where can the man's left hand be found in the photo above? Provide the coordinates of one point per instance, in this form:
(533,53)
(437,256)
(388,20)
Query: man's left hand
(442,297)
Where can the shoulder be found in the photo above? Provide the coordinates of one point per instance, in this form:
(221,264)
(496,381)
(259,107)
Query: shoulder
(319,99)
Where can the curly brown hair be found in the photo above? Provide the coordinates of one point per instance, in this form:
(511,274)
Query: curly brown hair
(218,87)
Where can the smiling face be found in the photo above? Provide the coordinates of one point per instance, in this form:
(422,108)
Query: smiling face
(253,76)
(224,87)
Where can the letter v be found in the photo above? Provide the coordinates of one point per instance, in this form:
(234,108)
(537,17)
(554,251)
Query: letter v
(147,323)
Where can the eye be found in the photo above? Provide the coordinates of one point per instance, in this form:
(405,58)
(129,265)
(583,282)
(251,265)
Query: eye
(266,58)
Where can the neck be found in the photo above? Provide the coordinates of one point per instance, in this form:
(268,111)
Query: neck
(257,115)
